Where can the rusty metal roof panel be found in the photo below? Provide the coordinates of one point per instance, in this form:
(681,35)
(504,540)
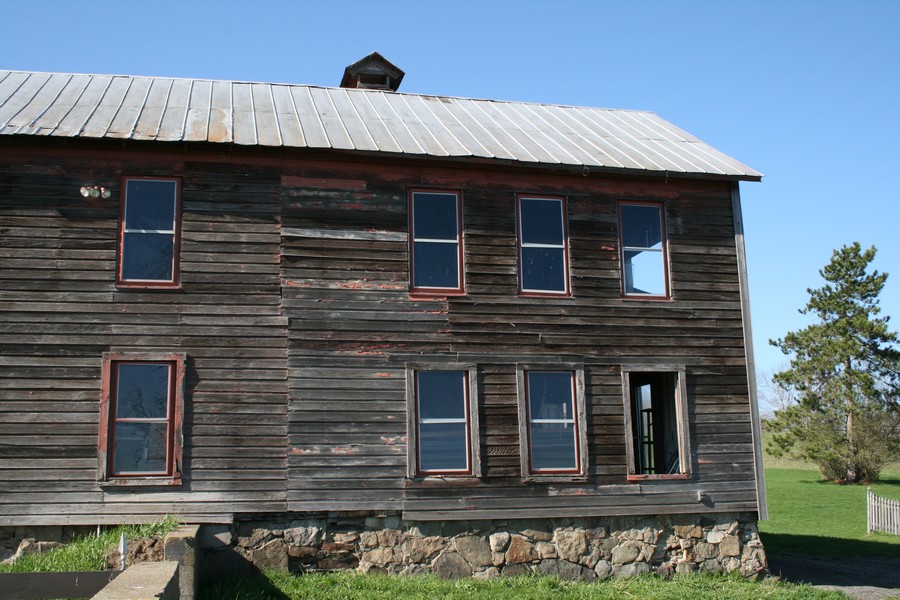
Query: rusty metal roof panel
(300,116)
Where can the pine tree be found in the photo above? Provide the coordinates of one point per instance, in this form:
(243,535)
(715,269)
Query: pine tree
(844,374)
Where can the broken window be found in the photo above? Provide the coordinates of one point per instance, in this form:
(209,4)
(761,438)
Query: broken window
(656,412)
(642,239)
(436,242)
(543,260)
(148,233)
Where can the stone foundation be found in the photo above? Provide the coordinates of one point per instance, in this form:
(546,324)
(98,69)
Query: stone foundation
(589,549)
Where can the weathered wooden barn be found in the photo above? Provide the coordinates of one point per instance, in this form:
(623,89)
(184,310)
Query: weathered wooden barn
(353,310)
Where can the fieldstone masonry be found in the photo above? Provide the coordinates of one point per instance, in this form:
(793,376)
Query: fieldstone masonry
(588,549)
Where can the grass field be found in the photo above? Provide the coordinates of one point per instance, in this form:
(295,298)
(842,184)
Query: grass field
(817,518)
(341,586)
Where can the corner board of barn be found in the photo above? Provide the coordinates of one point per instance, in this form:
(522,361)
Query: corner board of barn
(354,328)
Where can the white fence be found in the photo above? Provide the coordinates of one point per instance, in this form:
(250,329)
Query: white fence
(883,514)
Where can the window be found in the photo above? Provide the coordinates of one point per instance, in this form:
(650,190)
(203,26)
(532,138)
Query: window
(642,239)
(148,233)
(655,415)
(442,418)
(436,242)
(552,422)
(543,255)
(141,418)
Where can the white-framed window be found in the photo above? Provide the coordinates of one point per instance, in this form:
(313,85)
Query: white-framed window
(643,249)
(543,245)
(435,246)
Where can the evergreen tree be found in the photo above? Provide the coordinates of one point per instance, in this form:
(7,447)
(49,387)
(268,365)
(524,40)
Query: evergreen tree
(844,375)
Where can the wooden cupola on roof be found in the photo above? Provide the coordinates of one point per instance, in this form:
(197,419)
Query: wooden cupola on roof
(373,72)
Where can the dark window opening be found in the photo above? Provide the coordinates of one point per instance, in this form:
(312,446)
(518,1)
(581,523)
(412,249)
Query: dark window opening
(655,423)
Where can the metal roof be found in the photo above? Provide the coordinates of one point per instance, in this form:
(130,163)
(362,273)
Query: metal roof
(303,116)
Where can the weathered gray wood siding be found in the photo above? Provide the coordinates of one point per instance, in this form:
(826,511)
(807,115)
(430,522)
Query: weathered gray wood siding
(60,311)
(354,328)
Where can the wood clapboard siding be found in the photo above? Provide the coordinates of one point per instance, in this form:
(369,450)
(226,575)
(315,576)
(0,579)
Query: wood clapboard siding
(298,326)
(61,311)
(354,327)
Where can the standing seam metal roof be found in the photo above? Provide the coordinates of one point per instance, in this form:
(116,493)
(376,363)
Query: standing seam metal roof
(302,116)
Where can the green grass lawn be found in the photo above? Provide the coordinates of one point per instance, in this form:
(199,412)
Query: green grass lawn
(341,586)
(818,518)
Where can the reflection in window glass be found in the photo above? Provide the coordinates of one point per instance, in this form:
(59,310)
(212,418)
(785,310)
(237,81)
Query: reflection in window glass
(542,243)
(551,421)
(443,431)
(148,231)
(642,239)
(435,241)
(141,415)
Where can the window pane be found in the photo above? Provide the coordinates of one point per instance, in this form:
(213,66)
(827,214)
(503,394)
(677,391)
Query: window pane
(641,226)
(142,391)
(441,394)
(442,447)
(150,205)
(434,217)
(541,221)
(147,256)
(543,269)
(550,395)
(140,447)
(435,265)
(553,446)
(644,273)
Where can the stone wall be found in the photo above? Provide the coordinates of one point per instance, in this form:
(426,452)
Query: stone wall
(569,548)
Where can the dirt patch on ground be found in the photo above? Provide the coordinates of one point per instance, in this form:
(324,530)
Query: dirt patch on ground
(861,578)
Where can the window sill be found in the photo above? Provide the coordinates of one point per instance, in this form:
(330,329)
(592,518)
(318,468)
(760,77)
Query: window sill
(676,477)
(529,294)
(555,478)
(435,295)
(117,482)
(148,286)
(647,298)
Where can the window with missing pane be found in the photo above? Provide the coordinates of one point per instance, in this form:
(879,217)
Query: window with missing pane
(642,239)
(442,422)
(148,233)
(436,242)
(543,254)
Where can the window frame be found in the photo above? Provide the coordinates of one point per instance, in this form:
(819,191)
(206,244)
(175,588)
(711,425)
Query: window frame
(520,244)
(667,277)
(681,416)
(175,420)
(473,446)
(580,472)
(175,281)
(460,289)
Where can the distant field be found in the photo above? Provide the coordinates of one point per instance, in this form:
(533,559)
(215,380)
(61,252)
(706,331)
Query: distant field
(818,518)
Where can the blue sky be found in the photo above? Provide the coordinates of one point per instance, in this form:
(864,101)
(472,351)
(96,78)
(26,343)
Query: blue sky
(808,92)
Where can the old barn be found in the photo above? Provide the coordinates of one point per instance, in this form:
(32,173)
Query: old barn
(353,327)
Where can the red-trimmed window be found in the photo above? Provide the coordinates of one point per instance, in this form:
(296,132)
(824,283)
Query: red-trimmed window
(643,247)
(552,422)
(543,246)
(141,417)
(435,246)
(149,233)
(442,422)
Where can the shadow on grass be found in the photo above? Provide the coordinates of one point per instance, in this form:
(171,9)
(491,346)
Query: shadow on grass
(818,546)
(247,587)
(890,481)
